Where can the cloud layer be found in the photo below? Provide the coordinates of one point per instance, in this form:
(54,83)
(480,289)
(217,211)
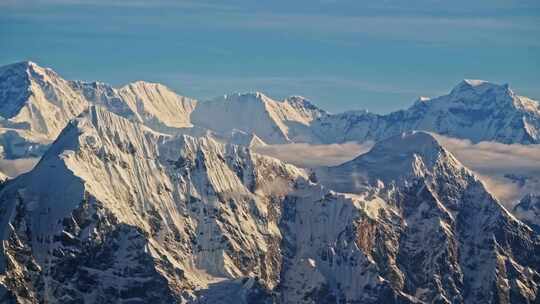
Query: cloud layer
(309,156)
(508,171)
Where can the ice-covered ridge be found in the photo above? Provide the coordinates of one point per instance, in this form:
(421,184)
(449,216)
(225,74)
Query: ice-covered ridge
(173,218)
(36,103)
(474,110)
(273,121)
(398,159)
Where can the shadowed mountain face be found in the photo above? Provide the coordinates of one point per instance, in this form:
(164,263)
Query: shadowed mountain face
(144,196)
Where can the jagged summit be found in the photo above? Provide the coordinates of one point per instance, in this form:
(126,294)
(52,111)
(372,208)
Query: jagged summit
(475,110)
(408,143)
(133,215)
(16,85)
(243,97)
(473,88)
(397,160)
(21,65)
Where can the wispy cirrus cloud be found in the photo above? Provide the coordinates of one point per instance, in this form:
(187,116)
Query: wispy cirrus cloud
(334,25)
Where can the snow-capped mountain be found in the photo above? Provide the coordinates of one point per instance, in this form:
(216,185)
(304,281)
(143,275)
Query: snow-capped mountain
(474,110)
(36,104)
(440,235)
(143,195)
(136,216)
(274,122)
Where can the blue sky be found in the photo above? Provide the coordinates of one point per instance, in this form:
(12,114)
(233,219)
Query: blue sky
(375,55)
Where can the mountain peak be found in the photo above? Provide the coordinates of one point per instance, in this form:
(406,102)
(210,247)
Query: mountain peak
(25,67)
(297,98)
(144,84)
(246,97)
(396,159)
(412,142)
(474,82)
(477,87)
(22,65)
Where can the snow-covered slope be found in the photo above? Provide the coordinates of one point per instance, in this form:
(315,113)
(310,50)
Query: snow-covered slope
(136,216)
(474,109)
(122,208)
(36,104)
(157,106)
(440,236)
(129,209)
(272,121)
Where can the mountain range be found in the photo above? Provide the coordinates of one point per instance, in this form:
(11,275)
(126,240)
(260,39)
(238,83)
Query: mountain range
(36,103)
(142,195)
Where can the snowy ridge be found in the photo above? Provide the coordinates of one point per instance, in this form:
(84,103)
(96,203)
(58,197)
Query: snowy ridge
(140,197)
(474,109)
(136,215)
(272,121)
(157,105)
(437,208)
(193,203)
(36,104)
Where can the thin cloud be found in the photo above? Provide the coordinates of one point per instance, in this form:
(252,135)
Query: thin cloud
(309,156)
(508,171)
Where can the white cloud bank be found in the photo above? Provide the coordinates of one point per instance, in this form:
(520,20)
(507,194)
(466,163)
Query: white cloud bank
(309,156)
(508,171)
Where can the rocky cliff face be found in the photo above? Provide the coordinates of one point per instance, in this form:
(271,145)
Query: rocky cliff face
(133,215)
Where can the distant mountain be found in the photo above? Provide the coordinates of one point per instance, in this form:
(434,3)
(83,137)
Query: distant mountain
(36,104)
(474,110)
(137,216)
(274,122)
